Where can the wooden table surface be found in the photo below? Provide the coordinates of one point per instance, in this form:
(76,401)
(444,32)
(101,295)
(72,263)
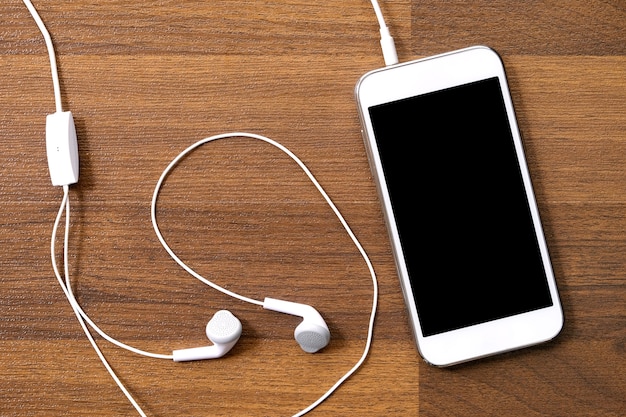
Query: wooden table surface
(145,80)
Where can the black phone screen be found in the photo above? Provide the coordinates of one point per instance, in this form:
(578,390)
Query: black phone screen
(460,205)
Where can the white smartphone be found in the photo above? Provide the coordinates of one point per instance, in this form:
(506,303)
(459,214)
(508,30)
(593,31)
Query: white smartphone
(448,161)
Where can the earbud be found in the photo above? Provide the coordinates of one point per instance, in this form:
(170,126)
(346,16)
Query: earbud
(312,334)
(224,330)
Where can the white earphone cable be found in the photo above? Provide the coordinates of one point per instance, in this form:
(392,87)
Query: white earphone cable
(65,206)
(53,62)
(390,59)
(67,289)
(334,208)
(183,265)
(379,14)
(387,43)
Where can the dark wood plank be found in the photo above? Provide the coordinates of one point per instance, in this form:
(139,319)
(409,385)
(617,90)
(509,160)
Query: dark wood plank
(552,27)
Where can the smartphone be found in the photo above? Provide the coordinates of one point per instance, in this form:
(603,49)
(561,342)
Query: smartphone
(447,157)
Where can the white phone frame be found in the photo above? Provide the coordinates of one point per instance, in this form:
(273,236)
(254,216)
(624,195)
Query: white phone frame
(424,76)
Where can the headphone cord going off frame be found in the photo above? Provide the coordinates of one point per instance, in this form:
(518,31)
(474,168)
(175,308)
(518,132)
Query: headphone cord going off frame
(390,57)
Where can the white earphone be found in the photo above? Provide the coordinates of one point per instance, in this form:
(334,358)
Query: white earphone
(312,333)
(223,330)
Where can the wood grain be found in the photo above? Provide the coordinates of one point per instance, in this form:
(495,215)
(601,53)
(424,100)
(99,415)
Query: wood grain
(541,28)
(144,81)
